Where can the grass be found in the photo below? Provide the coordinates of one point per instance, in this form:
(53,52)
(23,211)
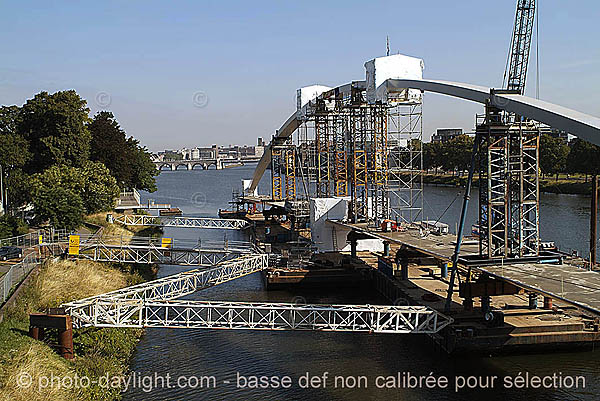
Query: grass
(117,230)
(98,352)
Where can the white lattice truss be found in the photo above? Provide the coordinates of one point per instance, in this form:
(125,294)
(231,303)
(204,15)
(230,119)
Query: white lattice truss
(182,222)
(154,304)
(270,316)
(152,253)
(92,310)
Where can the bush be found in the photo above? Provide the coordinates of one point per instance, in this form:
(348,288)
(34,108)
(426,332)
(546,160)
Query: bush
(11,226)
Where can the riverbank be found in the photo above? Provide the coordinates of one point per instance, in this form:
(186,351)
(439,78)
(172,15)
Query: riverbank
(563,185)
(99,353)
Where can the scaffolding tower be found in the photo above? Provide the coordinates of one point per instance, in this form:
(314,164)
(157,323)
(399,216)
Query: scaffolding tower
(508,186)
(405,164)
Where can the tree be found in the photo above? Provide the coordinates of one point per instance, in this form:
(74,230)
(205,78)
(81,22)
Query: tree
(14,149)
(55,126)
(92,184)
(583,158)
(127,161)
(143,169)
(61,207)
(433,155)
(553,155)
(11,226)
(109,146)
(457,153)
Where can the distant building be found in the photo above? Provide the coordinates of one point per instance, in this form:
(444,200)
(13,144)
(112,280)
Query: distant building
(445,134)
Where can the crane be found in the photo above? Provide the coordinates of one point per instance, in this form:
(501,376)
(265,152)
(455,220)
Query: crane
(515,73)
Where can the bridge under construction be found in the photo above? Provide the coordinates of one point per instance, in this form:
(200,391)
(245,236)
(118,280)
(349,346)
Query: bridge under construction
(347,190)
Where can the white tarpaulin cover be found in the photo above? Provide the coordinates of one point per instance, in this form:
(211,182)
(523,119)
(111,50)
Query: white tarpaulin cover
(322,233)
(308,93)
(397,66)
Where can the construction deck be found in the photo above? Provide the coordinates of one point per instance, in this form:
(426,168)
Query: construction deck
(569,281)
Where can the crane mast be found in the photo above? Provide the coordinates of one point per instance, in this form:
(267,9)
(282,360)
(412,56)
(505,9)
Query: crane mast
(516,68)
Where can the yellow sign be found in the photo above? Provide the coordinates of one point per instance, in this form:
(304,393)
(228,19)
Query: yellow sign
(167,242)
(73,244)
(450,264)
(41,239)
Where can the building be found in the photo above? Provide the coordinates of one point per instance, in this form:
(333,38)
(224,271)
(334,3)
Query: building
(445,134)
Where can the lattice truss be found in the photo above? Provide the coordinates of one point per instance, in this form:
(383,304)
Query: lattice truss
(509,188)
(182,222)
(405,181)
(154,304)
(123,303)
(283,172)
(280,316)
(152,253)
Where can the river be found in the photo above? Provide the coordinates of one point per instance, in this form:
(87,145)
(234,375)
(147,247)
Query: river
(189,354)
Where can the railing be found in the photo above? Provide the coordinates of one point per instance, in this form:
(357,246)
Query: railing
(49,241)
(33,238)
(17,273)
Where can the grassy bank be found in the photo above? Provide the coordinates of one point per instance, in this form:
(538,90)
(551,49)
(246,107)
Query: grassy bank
(98,352)
(563,185)
(117,230)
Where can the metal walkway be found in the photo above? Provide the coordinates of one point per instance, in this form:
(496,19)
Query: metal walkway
(153,304)
(181,222)
(150,252)
(269,316)
(113,306)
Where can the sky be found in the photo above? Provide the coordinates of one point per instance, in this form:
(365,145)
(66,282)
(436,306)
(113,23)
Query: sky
(193,73)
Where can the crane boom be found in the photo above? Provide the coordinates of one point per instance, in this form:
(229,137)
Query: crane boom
(516,69)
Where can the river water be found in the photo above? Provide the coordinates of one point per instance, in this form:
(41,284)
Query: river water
(188,355)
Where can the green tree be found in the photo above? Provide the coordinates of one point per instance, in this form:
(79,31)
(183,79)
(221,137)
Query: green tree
(553,155)
(143,169)
(433,155)
(109,146)
(61,207)
(92,183)
(583,158)
(11,226)
(14,149)
(127,161)
(457,153)
(56,127)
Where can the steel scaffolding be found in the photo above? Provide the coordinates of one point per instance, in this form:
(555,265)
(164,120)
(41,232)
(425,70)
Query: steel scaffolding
(405,172)
(369,152)
(509,186)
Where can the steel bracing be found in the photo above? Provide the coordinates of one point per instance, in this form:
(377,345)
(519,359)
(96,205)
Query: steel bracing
(269,316)
(509,187)
(182,222)
(405,171)
(116,304)
(369,152)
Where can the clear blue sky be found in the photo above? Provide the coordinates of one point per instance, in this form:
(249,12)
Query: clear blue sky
(249,57)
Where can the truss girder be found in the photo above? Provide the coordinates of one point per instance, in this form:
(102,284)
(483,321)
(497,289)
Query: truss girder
(182,222)
(126,301)
(269,316)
